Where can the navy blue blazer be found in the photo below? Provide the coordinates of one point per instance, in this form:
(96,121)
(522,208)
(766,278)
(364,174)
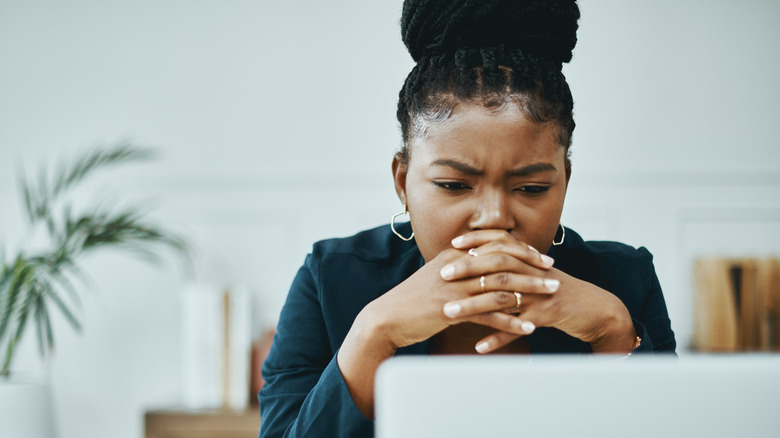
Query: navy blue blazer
(305,394)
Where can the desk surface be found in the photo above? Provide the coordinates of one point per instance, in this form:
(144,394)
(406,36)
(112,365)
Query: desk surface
(202,423)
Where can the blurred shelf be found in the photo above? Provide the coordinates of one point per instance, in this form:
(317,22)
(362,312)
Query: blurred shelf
(188,423)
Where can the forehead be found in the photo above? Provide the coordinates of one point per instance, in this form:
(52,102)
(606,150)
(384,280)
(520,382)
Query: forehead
(480,135)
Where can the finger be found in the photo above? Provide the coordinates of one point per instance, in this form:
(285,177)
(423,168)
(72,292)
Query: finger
(503,322)
(505,281)
(482,303)
(486,241)
(509,281)
(478,238)
(495,341)
(470,266)
(518,250)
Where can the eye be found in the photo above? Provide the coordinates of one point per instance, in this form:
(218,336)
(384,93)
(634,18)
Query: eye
(533,189)
(452,186)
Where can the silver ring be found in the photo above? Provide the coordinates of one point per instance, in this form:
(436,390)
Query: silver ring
(482,283)
(473,252)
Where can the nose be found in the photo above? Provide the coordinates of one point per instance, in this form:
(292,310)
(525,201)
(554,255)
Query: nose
(493,210)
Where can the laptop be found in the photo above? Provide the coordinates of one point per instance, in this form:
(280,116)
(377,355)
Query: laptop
(565,396)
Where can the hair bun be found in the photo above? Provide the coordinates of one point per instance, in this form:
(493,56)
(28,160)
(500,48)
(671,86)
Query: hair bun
(544,29)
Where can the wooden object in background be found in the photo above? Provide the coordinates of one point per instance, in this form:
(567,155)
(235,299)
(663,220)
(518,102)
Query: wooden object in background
(715,315)
(768,283)
(225,349)
(737,304)
(743,274)
(260,349)
(222,423)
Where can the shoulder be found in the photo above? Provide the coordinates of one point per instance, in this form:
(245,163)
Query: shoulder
(376,245)
(349,272)
(575,246)
(614,266)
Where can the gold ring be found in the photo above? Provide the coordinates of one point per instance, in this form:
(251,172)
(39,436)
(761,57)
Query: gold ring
(482,283)
(473,252)
(518,299)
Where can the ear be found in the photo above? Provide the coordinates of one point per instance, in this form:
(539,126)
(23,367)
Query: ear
(400,169)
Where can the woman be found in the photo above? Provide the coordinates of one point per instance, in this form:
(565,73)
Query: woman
(483,266)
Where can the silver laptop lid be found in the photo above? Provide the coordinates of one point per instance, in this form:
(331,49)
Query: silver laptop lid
(564,396)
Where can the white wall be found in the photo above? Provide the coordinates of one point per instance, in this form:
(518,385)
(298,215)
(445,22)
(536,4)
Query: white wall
(275,123)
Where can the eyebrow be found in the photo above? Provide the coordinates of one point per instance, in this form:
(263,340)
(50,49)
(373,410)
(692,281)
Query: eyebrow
(532,169)
(521,171)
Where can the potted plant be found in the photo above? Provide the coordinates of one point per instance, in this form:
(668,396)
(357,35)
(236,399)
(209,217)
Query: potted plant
(36,282)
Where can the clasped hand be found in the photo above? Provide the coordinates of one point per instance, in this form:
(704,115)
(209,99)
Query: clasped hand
(476,280)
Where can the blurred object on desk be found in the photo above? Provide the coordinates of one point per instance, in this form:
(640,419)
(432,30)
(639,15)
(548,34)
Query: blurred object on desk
(737,304)
(260,349)
(216,334)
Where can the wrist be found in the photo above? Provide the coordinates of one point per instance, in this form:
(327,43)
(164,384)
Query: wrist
(620,337)
(364,348)
(371,329)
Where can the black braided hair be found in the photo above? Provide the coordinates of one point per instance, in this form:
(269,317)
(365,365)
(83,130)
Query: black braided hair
(489,52)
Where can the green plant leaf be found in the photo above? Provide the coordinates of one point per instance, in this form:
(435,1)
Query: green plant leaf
(52,295)
(45,338)
(49,332)
(59,276)
(30,285)
(9,353)
(38,200)
(20,281)
(21,324)
(5,280)
(39,324)
(96,159)
(27,196)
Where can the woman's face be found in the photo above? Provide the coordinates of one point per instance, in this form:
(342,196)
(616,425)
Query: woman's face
(484,169)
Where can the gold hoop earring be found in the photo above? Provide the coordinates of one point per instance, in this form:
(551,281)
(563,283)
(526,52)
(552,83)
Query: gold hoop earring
(563,236)
(392,225)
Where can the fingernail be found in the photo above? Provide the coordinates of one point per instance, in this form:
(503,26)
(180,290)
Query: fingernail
(551,284)
(528,327)
(482,347)
(457,241)
(447,272)
(452,309)
(533,249)
(547,260)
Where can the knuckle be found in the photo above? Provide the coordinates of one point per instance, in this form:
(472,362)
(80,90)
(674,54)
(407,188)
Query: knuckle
(451,252)
(501,298)
(508,239)
(501,246)
(466,307)
(503,260)
(448,255)
(507,323)
(502,278)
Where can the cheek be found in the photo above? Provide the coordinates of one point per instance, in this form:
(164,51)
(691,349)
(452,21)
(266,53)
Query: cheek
(433,228)
(547,217)
(435,222)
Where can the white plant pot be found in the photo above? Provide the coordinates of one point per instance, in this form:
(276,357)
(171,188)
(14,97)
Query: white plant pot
(25,409)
